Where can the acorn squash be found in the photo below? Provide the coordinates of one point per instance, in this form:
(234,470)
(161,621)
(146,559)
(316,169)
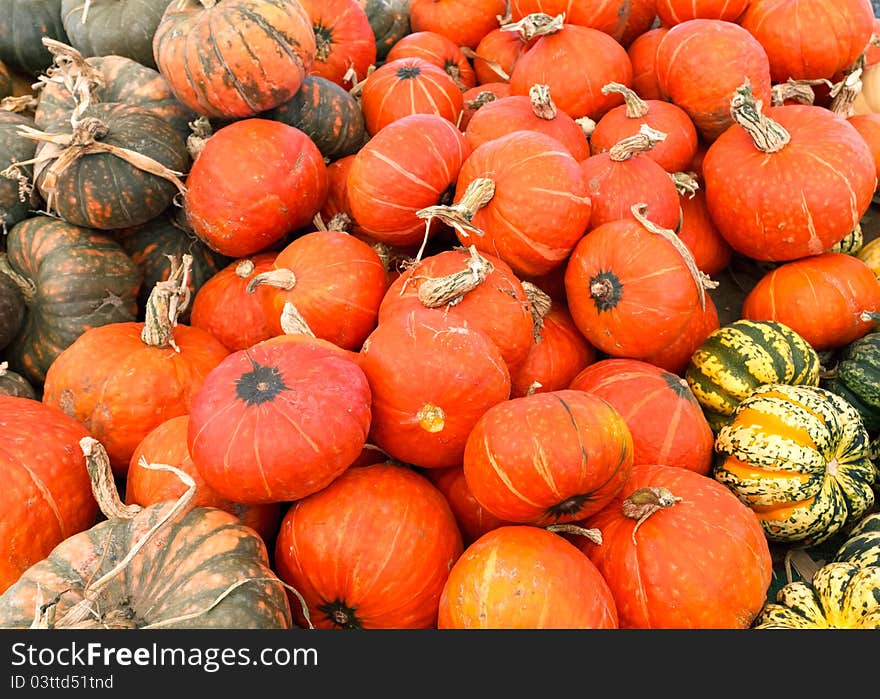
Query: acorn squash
(862,546)
(856,377)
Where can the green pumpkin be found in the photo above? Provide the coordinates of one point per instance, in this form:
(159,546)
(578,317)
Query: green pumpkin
(856,377)
(389,20)
(862,546)
(14,384)
(327,114)
(11,309)
(18,199)
(798,456)
(840,596)
(74,279)
(738,357)
(23,24)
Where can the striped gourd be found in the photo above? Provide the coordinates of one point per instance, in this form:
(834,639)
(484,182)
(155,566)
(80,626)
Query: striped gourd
(862,546)
(798,456)
(851,243)
(840,596)
(857,378)
(738,357)
(870,255)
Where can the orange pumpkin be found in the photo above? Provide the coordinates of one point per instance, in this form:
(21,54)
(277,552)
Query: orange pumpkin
(496,54)
(642,54)
(473,519)
(608,16)
(439,50)
(344,40)
(464,22)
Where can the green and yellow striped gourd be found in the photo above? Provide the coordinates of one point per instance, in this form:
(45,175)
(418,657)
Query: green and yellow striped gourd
(798,457)
(840,596)
(857,378)
(738,357)
(862,546)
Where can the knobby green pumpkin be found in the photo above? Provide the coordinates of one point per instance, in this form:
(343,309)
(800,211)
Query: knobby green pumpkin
(862,546)
(11,309)
(18,198)
(799,457)
(856,377)
(389,20)
(23,24)
(738,357)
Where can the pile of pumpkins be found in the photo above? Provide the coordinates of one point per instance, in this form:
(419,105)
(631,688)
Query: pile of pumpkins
(439,314)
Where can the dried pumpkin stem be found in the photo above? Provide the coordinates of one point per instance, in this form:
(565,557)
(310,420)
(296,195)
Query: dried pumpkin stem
(587,125)
(686,183)
(796,91)
(542,103)
(644,502)
(481,99)
(281,278)
(292,321)
(459,215)
(768,136)
(103,485)
(450,289)
(844,94)
(869,317)
(492,65)
(540,304)
(19,104)
(200,131)
(340,222)
(533,388)
(636,107)
(166,302)
(640,142)
(535,24)
(593,535)
(26,285)
(244,268)
(702,280)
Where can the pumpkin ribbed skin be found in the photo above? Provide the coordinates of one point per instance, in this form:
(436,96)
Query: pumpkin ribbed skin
(664,418)
(548,458)
(343,40)
(856,377)
(478,97)
(280,420)
(199,556)
(608,16)
(103,191)
(675,356)
(23,23)
(12,309)
(862,544)
(371,550)
(502,48)
(439,50)
(840,596)
(473,519)
(235,58)
(389,20)
(327,114)
(14,384)
(464,22)
(113,28)
(672,12)
(46,495)
(15,149)
(642,54)
(712,253)
(121,80)
(80,279)
(524,577)
(798,456)
(740,356)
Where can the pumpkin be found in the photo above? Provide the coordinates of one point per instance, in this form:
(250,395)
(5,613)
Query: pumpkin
(548,458)
(828,299)
(110,79)
(642,17)
(388,183)
(759,207)
(608,16)
(339,302)
(742,355)
(851,243)
(665,420)
(624,176)
(673,153)
(255,181)
(408,86)
(479,290)
(12,308)
(14,384)
(854,377)
(18,199)
(496,54)
(118,167)
(868,126)
(869,253)
(336,211)
(866,101)
(712,253)
(279,420)
(798,456)
(389,20)
(473,519)
(73,279)
(224,307)
(862,544)
(267,46)
(464,22)
(558,58)
(537,112)
(672,12)
(371,550)
(699,65)
(23,24)
(627,275)
(431,378)
(672,542)
(675,356)
(817,40)
(521,197)
(154,244)
(439,50)
(642,54)
(204,570)
(47,497)
(122,379)
(478,97)
(344,40)
(839,596)
(524,577)
(558,351)
(327,114)
(166,444)
(113,28)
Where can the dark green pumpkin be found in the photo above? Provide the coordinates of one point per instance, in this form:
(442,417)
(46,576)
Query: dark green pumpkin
(23,24)
(389,20)
(856,377)
(104,191)
(327,114)
(738,357)
(75,278)
(16,203)
(14,384)
(114,27)
(862,546)
(168,234)
(11,309)
(116,79)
